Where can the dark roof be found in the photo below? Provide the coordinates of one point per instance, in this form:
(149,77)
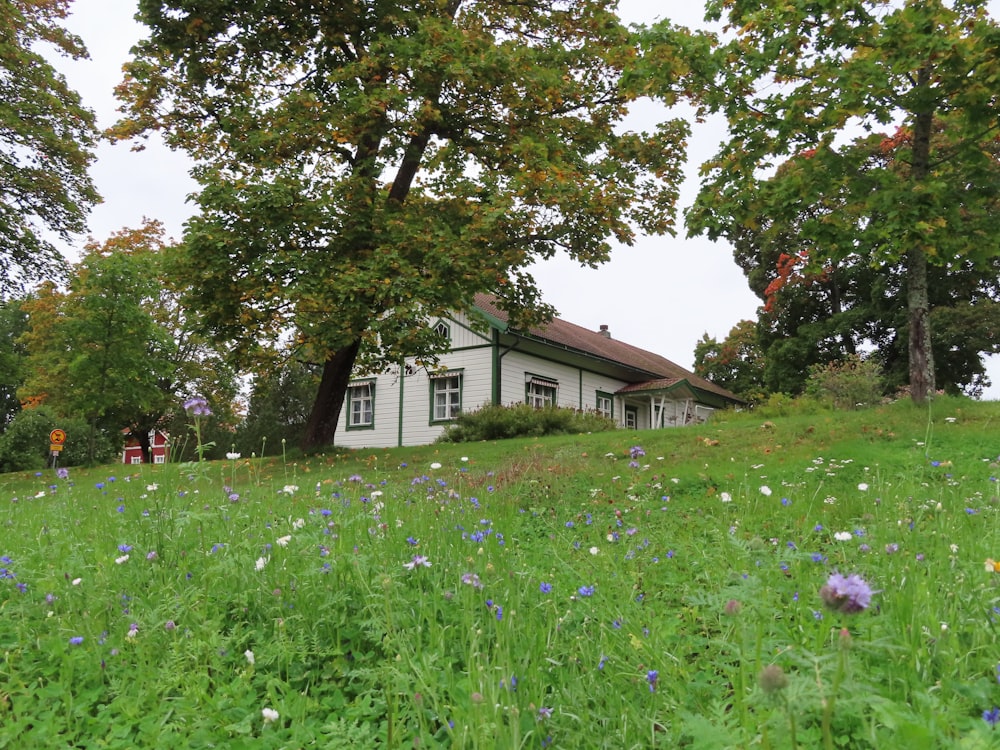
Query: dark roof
(661,372)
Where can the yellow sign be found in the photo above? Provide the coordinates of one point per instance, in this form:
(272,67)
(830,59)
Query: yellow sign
(55,447)
(57,437)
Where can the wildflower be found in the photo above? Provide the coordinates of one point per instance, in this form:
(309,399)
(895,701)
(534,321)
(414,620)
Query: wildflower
(733,607)
(261,562)
(290,489)
(251,659)
(726,497)
(992,717)
(471,579)
(62,473)
(124,547)
(499,613)
(843,536)
(283,541)
(233,456)
(269,715)
(636,451)
(197,407)
(412,541)
(863,486)
(544,713)
(765,490)
(544,587)
(133,631)
(651,677)
(846,593)
(435,465)
(891,548)
(772,678)
(416,562)
(152,487)
(594,551)
(585,591)
(992,566)
(76,640)
(76,581)
(121,560)
(169,625)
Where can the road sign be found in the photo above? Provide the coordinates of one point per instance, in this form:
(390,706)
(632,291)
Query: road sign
(57,437)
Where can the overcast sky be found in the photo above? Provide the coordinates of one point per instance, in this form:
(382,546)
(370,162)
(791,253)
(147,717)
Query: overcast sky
(661,294)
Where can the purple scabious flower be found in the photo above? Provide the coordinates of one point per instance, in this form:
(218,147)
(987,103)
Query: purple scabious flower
(846,594)
(636,451)
(197,407)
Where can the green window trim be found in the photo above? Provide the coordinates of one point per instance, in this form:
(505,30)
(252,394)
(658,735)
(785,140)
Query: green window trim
(445,394)
(360,412)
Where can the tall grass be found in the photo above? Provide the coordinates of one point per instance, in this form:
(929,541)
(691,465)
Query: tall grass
(618,590)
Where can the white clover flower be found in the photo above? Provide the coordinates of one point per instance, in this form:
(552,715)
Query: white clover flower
(282,541)
(726,497)
(765,490)
(261,562)
(251,660)
(843,536)
(269,715)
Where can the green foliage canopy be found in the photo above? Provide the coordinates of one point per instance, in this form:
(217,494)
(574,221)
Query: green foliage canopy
(802,79)
(46,144)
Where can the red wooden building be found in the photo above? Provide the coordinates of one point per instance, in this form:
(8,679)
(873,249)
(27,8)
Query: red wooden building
(159,448)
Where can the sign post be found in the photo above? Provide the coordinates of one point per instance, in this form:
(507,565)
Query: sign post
(57,439)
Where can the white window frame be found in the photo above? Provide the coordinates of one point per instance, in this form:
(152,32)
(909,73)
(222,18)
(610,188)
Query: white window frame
(446,396)
(609,412)
(541,392)
(159,459)
(361,405)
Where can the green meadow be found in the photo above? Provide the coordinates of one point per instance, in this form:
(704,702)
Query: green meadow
(615,590)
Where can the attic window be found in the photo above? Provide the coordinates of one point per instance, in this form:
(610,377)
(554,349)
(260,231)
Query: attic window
(442,330)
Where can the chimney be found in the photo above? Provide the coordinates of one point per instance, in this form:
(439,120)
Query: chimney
(605,332)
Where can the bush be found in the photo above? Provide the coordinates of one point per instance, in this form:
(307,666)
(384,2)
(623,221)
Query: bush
(24,445)
(850,384)
(522,420)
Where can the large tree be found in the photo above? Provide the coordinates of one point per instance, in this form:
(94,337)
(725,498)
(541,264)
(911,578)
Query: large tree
(367,165)
(801,77)
(46,144)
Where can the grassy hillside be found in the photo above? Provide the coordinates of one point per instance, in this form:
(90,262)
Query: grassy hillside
(785,581)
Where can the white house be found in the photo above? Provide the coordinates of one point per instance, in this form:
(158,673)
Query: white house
(559,363)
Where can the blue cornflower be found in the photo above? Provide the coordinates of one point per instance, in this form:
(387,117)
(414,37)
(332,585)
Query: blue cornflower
(651,677)
(412,541)
(499,613)
(546,588)
(124,547)
(76,640)
(100,485)
(585,591)
(992,717)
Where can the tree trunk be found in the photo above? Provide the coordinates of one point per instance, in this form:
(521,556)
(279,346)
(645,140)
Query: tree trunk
(921,357)
(917,298)
(322,424)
